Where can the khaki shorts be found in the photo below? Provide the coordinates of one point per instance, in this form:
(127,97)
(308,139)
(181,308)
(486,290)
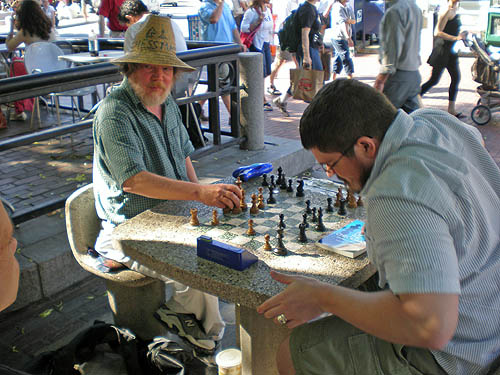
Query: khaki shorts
(284,55)
(332,346)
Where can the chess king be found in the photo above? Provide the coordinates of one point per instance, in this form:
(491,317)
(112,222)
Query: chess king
(136,166)
(432,199)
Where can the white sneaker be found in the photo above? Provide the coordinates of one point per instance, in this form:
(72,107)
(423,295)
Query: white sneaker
(281,106)
(18,116)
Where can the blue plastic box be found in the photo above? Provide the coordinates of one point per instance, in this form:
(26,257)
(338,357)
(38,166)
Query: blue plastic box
(227,255)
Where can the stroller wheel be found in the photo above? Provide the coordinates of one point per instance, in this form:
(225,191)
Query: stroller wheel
(480,114)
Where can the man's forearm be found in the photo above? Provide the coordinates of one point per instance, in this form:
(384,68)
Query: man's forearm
(305,42)
(154,186)
(415,320)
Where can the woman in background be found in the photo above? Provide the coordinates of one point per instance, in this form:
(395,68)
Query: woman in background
(443,56)
(259,17)
(32,25)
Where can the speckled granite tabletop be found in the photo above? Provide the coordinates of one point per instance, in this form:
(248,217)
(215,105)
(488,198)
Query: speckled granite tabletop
(163,240)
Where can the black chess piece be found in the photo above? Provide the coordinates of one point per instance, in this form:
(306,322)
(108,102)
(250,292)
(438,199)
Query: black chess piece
(282,222)
(280,179)
(342,210)
(300,189)
(320,226)
(329,207)
(314,217)
(283,182)
(308,207)
(280,248)
(290,188)
(302,233)
(304,220)
(273,184)
(264,180)
(271,199)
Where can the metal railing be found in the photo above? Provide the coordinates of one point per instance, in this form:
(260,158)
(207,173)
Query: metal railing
(212,55)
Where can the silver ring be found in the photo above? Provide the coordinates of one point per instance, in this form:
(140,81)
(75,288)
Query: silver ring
(282,319)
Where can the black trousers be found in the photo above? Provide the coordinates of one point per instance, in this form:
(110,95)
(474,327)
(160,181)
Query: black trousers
(453,70)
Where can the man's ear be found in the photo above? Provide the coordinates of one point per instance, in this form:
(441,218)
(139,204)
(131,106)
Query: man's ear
(368,147)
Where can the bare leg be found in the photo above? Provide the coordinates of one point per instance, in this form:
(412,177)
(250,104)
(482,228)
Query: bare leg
(284,359)
(275,71)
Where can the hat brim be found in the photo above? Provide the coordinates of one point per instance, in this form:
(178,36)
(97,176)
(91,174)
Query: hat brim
(162,59)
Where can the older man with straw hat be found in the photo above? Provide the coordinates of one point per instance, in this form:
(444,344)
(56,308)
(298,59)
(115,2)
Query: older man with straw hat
(141,157)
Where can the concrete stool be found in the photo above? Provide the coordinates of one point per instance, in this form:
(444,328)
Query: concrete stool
(133,297)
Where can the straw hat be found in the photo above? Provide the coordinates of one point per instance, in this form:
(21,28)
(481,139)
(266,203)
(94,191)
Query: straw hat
(154,44)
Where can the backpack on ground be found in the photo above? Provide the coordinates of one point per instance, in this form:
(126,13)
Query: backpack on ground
(289,33)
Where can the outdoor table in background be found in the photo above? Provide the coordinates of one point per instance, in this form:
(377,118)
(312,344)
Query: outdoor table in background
(162,239)
(84,58)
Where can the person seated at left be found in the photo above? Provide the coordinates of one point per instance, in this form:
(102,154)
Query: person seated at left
(142,157)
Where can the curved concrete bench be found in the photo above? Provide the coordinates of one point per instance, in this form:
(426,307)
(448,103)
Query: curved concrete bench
(133,297)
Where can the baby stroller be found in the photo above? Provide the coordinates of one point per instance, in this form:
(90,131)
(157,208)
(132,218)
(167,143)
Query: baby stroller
(485,71)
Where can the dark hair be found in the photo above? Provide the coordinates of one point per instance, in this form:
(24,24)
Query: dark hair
(31,18)
(341,112)
(131,8)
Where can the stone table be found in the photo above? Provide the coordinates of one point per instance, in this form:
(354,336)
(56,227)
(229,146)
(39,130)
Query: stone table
(161,239)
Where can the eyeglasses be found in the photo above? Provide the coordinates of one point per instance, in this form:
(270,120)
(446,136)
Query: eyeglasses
(331,167)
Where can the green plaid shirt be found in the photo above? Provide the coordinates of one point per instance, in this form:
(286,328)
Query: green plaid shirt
(129,139)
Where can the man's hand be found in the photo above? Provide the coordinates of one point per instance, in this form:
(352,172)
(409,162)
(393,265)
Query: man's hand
(380,81)
(220,195)
(350,43)
(307,62)
(299,302)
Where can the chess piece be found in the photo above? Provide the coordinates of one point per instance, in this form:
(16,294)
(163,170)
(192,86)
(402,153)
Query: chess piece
(215,219)
(264,180)
(250,231)
(360,202)
(304,220)
(351,200)
(267,245)
(339,197)
(290,188)
(236,209)
(261,190)
(329,207)
(283,185)
(226,210)
(272,184)
(194,217)
(308,207)
(238,182)
(300,189)
(254,210)
(271,199)
(282,222)
(243,203)
(280,248)
(280,179)
(261,204)
(314,217)
(302,233)
(320,226)
(342,210)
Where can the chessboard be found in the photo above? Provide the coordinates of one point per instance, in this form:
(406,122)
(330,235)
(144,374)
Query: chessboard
(232,228)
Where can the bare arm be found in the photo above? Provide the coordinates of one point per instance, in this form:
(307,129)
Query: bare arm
(443,19)
(9,267)
(13,41)
(190,171)
(216,14)
(237,40)
(423,320)
(154,186)
(305,45)
(102,26)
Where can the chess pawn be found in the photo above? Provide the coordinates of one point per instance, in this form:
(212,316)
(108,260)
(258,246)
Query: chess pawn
(261,190)
(215,219)
(314,218)
(226,210)
(329,207)
(264,180)
(254,210)
(243,204)
(351,200)
(267,245)
(302,233)
(261,204)
(283,185)
(290,188)
(272,184)
(194,217)
(250,231)
(342,210)
(280,176)
(308,207)
(360,202)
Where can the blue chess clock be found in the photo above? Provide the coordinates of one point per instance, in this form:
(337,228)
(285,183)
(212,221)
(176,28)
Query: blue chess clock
(227,255)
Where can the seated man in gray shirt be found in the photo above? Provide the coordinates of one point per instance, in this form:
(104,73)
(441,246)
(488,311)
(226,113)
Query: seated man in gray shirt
(141,157)
(432,197)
